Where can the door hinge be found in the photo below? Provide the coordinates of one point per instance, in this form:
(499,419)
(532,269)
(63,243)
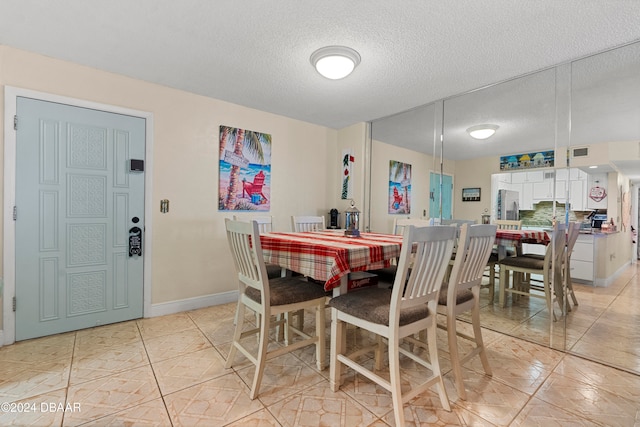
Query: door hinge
(15,213)
(14,304)
(15,122)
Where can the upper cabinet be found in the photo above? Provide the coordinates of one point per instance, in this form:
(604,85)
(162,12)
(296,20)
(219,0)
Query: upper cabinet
(545,184)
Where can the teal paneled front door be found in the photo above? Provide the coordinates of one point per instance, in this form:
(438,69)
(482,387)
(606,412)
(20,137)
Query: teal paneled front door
(76,203)
(434,196)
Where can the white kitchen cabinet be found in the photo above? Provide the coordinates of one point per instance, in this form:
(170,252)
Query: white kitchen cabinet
(531,176)
(577,195)
(582,267)
(526,196)
(542,190)
(562,174)
(518,177)
(504,177)
(576,174)
(561,190)
(535,176)
(539,185)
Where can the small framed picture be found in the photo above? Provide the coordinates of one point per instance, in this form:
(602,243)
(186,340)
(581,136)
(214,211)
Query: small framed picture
(471,194)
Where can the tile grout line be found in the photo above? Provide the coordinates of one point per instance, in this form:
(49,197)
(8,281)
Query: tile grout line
(66,392)
(155,377)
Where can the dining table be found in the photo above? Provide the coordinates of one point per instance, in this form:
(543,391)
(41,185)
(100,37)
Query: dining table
(515,238)
(328,255)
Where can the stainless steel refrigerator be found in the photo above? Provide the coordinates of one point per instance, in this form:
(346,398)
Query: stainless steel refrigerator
(508,205)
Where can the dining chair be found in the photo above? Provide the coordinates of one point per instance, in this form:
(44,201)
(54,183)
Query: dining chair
(548,266)
(572,237)
(462,294)
(266,298)
(508,224)
(396,314)
(388,274)
(492,262)
(307,223)
(458,222)
(265,225)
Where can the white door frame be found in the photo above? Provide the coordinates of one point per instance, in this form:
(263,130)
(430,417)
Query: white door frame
(8,332)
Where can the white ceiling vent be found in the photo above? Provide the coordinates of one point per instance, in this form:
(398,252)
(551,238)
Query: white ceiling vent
(580,152)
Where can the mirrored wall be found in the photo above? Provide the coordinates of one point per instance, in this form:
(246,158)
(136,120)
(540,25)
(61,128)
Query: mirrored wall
(566,149)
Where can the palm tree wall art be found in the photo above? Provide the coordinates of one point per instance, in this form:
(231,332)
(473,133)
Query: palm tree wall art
(245,170)
(399,187)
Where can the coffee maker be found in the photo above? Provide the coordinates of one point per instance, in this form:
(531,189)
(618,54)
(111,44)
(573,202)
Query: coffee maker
(334,219)
(597,219)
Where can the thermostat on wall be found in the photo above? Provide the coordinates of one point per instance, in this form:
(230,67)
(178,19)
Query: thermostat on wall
(136,165)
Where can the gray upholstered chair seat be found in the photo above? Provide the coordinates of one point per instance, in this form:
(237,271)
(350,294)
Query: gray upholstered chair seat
(372,305)
(461,296)
(288,290)
(524,262)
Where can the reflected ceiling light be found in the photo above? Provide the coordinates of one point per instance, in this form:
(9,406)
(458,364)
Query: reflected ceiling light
(482,131)
(335,62)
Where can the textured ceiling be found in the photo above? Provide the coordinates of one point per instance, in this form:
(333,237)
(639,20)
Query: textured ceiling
(255,53)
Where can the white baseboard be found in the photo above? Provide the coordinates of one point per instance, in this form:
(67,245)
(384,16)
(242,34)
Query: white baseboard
(195,303)
(179,306)
(604,282)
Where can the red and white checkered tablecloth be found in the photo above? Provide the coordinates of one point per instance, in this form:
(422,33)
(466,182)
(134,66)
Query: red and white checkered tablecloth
(329,255)
(517,237)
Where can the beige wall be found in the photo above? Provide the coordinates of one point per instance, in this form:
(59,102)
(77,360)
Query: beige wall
(190,256)
(352,139)
(470,174)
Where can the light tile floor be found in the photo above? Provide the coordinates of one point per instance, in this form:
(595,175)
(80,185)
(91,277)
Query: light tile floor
(169,371)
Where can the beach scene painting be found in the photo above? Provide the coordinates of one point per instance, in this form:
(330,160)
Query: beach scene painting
(245,170)
(542,159)
(399,187)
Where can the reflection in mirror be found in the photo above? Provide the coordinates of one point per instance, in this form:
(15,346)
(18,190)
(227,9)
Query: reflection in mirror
(514,169)
(605,135)
(406,143)
(588,114)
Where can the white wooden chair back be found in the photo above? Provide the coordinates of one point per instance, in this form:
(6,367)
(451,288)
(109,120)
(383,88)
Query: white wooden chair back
(307,223)
(400,223)
(423,262)
(508,224)
(244,242)
(555,249)
(474,248)
(265,223)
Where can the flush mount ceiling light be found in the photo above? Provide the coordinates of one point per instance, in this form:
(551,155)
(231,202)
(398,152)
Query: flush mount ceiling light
(335,62)
(482,131)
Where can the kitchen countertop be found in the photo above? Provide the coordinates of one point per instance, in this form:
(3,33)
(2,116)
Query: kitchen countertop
(597,232)
(593,231)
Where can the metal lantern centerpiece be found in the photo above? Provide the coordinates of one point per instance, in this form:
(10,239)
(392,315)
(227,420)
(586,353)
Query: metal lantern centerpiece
(352,221)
